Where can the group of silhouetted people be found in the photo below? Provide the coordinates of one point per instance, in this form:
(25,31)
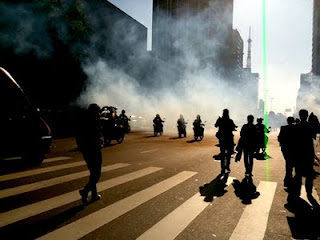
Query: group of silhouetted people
(296,141)
(252,140)
(297,145)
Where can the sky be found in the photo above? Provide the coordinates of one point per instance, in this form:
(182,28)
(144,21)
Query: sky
(289,42)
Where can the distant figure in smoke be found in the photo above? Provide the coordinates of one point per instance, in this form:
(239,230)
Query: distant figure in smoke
(125,121)
(88,140)
(303,156)
(286,139)
(262,137)
(198,128)
(249,136)
(226,143)
(157,125)
(182,127)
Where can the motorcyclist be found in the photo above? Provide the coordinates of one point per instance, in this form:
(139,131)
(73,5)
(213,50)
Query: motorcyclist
(198,126)
(157,123)
(124,120)
(181,126)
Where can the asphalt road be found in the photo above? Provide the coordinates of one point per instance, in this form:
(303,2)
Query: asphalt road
(152,188)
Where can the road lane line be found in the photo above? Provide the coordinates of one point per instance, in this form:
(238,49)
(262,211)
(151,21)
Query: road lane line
(47,160)
(55,202)
(152,150)
(85,225)
(253,222)
(12,158)
(175,222)
(47,183)
(303,195)
(40,170)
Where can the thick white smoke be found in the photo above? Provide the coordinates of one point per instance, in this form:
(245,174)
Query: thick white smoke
(199,89)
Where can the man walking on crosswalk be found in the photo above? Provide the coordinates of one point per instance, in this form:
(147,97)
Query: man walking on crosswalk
(304,156)
(248,136)
(88,140)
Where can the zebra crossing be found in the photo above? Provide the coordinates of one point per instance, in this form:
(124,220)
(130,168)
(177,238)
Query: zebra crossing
(251,225)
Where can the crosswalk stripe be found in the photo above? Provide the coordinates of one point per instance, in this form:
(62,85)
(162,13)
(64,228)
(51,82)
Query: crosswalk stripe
(54,159)
(47,183)
(174,223)
(55,202)
(152,150)
(253,222)
(40,170)
(303,195)
(97,219)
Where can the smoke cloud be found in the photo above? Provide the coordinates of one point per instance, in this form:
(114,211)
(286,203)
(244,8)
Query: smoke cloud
(138,81)
(194,85)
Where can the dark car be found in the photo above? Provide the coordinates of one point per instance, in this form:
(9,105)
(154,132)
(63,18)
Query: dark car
(23,133)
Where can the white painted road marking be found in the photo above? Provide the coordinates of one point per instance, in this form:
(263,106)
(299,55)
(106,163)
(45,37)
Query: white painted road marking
(40,170)
(253,222)
(152,150)
(85,225)
(303,195)
(47,160)
(55,202)
(51,182)
(174,223)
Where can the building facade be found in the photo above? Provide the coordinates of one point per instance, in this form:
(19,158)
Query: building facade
(316,38)
(308,93)
(201,28)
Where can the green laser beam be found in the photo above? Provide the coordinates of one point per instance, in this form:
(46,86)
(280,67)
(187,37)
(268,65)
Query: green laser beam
(264,78)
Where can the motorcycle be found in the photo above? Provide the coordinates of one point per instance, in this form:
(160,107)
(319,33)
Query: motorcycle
(111,130)
(199,132)
(182,130)
(158,128)
(113,133)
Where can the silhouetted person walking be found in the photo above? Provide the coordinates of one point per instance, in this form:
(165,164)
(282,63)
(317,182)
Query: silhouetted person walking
(303,155)
(88,140)
(286,139)
(226,143)
(248,136)
(262,137)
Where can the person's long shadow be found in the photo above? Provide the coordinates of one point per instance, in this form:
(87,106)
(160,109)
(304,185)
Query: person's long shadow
(175,138)
(305,222)
(151,136)
(193,141)
(43,225)
(216,188)
(245,190)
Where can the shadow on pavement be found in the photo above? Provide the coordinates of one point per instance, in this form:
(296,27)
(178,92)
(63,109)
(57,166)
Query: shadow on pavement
(216,188)
(192,141)
(12,166)
(305,222)
(35,229)
(245,190)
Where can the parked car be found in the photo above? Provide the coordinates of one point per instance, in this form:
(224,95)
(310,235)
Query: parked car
(23,132)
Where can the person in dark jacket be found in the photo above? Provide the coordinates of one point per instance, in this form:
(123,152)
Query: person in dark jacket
(226,142)
(285,139)
(303,155)
(88,141)
(262,137)
(248,136)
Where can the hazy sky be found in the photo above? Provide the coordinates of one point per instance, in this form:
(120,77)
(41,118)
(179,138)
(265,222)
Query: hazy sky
(289,41)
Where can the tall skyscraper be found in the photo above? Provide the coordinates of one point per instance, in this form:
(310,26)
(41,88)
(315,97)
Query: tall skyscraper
(249,50)
(316,38)
(199,26)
